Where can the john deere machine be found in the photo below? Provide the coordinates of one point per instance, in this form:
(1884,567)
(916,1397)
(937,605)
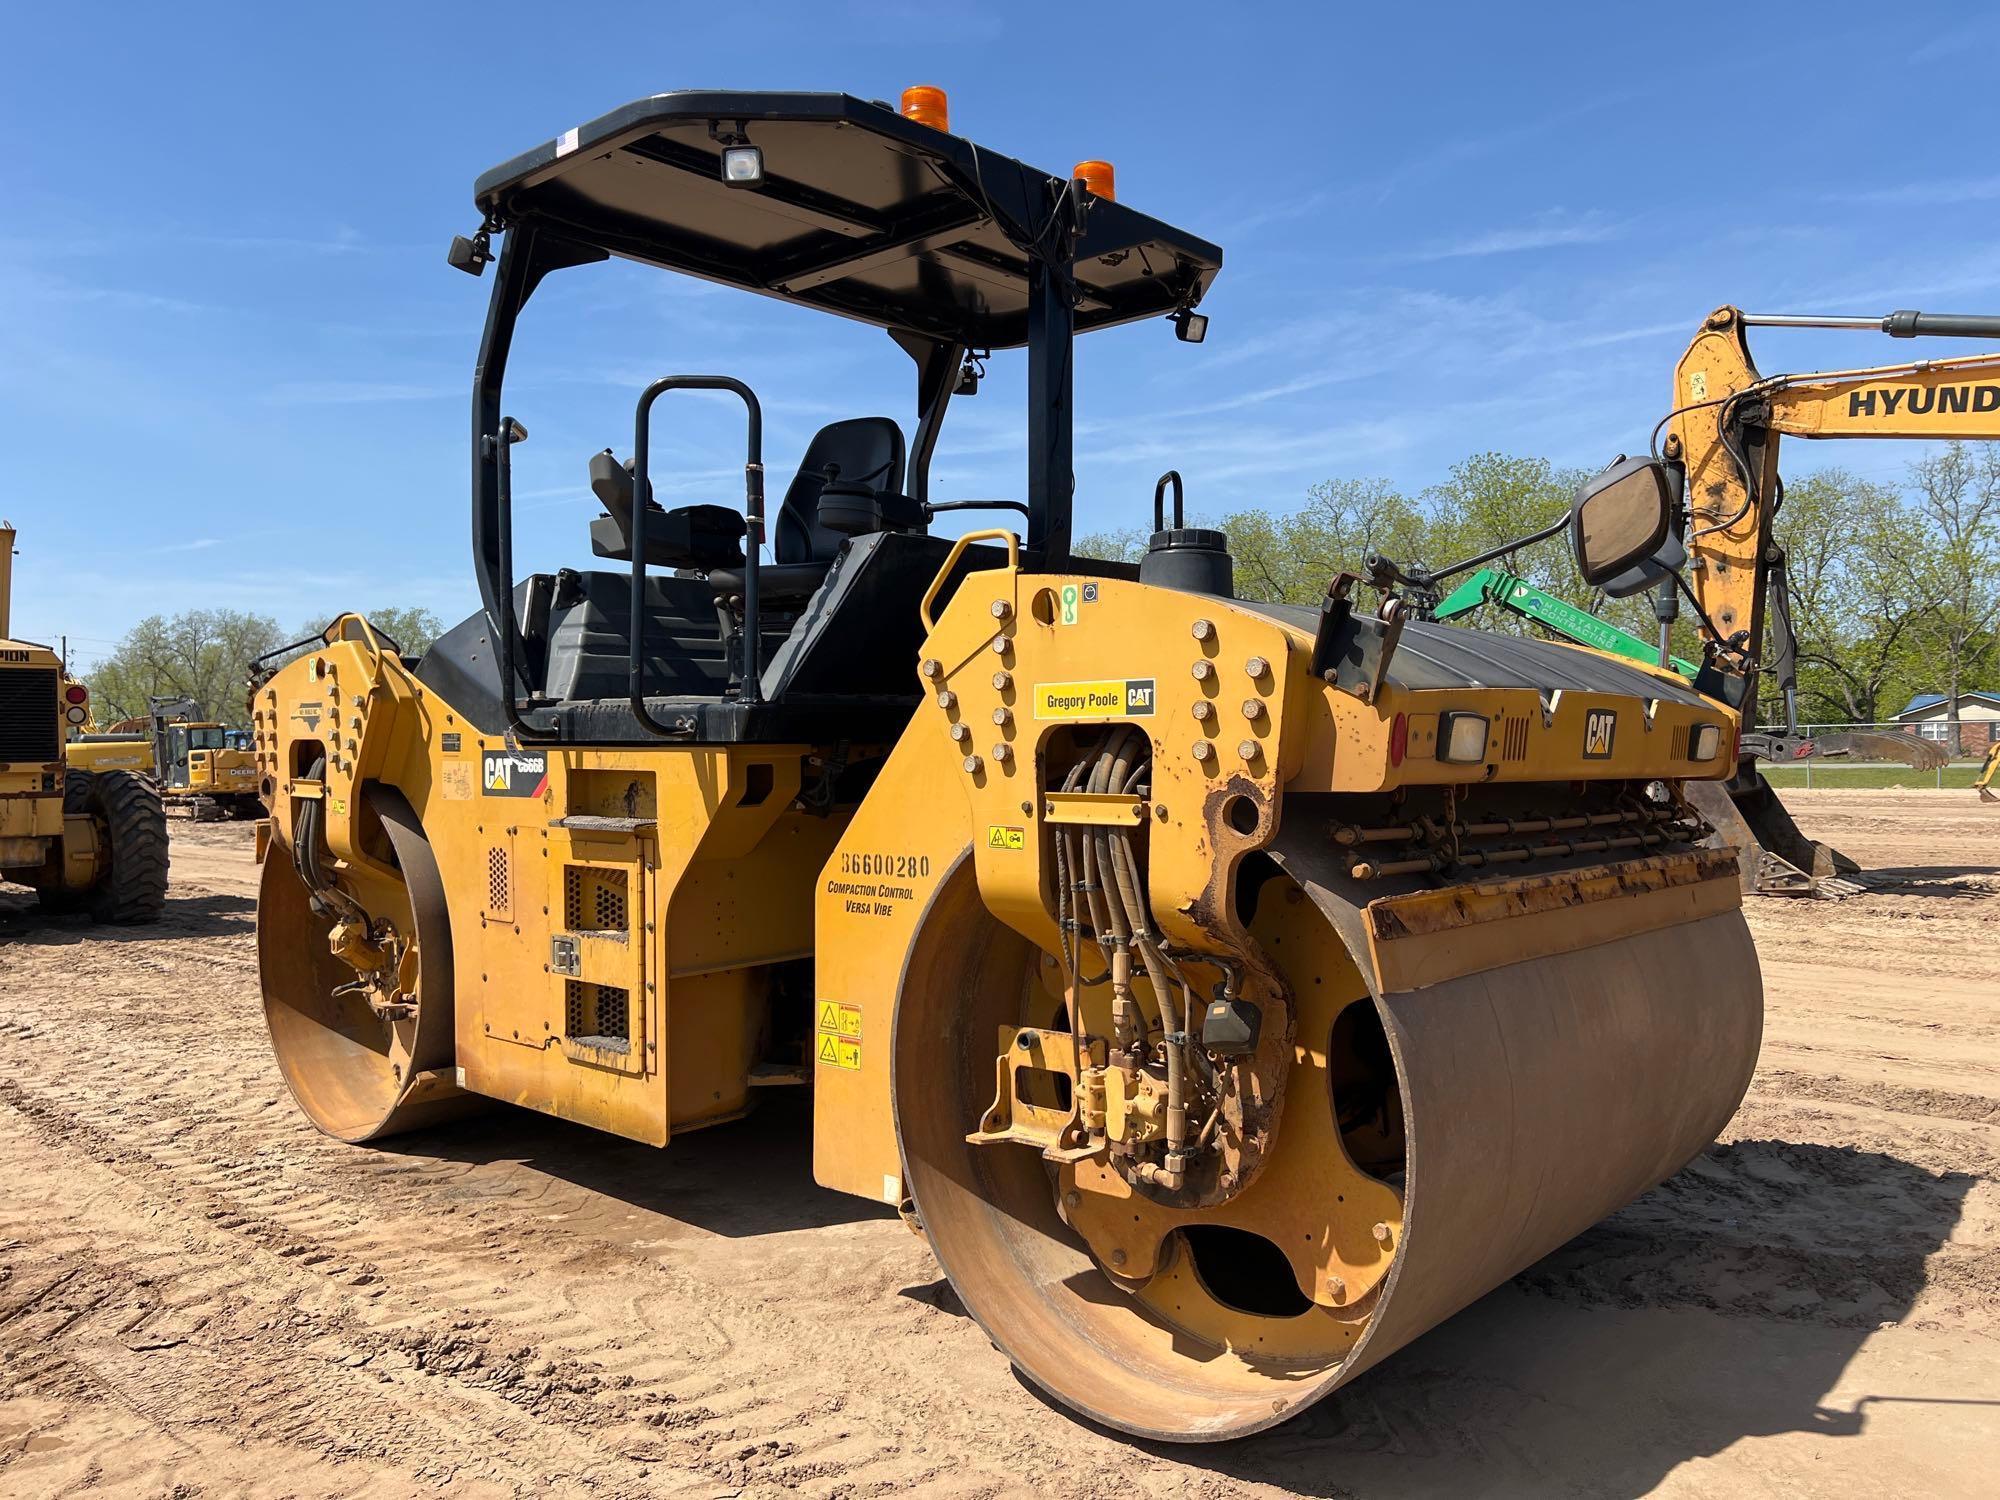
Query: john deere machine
(1230,991)
(204,768)
(89,840)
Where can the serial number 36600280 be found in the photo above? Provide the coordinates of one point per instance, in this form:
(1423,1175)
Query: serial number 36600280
(894,866)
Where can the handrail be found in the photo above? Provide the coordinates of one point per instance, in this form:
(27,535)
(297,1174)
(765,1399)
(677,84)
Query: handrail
(992,534)
(1171,477)
(753,517)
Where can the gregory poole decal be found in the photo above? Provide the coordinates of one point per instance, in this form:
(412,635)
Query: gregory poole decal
(1599,726)
(514,773)
(1113,698)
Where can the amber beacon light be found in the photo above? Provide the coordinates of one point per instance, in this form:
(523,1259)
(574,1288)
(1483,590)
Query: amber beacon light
(926,104)
(1098,177)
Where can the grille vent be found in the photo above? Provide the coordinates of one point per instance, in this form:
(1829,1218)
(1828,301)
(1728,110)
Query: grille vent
(599,1015)
(499,882)
(1513,739)
(594,900)
(28,730)
(1679,750)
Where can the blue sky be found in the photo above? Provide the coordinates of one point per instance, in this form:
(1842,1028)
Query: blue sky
(234,368)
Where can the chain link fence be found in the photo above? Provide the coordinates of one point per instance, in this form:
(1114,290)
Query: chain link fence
(1873,758)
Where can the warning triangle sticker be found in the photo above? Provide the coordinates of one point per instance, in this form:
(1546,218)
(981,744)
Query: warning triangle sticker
(829,1018)
(828,1053)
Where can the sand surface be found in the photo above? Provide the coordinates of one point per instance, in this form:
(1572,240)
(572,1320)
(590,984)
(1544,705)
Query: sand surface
(200,1296)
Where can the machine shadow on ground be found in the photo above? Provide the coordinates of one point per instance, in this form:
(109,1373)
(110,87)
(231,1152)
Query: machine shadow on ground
(1936,880)
(1702,1314)
(750,1177)
(200,915)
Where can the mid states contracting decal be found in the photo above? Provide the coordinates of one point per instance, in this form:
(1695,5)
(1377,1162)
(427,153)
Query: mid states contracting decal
(1113,698)
(514,773)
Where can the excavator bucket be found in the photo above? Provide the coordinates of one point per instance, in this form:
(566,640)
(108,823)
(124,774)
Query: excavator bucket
(1774,856)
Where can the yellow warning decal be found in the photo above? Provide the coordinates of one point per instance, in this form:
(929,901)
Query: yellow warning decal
(1112,698)
(998,836)
(839,1052)
(840,1020)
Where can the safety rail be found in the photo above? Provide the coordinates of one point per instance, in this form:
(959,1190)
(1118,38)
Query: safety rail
(753,518)
(990,534)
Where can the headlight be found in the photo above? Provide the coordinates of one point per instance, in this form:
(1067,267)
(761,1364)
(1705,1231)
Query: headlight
(1462,738)
(77,715)
(742,166)
(1705,742)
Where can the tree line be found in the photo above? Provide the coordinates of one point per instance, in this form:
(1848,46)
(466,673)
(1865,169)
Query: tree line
(204,655)
(1895,586)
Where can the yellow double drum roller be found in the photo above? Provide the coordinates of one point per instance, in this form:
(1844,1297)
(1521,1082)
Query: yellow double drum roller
(1230,992)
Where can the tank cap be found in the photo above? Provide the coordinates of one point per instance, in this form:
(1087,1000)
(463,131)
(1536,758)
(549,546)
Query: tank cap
(1176,538)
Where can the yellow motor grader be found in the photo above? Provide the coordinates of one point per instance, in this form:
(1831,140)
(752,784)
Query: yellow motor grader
(93,840)
(1230,991)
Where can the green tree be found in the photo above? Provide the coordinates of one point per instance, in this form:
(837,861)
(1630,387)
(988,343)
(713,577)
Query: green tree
(1291,558)
(1862,593)
(1957,492)
(202,654)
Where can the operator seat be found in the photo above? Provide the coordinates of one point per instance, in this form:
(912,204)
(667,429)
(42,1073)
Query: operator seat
(861,452)
(700,537)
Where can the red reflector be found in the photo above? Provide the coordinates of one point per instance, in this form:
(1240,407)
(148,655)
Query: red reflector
(76,692)
(1399,739)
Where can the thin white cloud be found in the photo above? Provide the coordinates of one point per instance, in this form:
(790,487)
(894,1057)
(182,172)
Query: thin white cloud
(1549,232)
(354,392)
(1935,193)
(1952,43)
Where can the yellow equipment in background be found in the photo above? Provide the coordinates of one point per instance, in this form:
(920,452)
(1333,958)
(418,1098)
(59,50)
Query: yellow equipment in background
(1723,435)
(204,768)
(89,839)
(1985,781)
(1230,991)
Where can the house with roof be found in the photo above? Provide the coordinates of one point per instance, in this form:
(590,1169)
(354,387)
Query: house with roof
(1929,715)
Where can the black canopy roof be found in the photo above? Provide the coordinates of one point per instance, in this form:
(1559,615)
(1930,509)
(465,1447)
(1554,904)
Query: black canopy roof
(861,212)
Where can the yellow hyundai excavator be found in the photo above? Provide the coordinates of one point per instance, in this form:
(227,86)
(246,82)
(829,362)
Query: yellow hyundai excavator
(1721,454)
(1723,434)
(1229,991)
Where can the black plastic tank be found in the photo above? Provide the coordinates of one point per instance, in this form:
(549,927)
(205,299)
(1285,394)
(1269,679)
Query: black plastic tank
(1192,559)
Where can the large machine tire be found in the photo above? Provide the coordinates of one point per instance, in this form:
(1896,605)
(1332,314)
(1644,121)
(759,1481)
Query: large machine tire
(133,825)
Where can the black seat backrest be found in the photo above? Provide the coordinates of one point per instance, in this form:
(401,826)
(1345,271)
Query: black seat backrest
(868,450)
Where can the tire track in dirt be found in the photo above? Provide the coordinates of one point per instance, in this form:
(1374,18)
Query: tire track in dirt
(515,1306)
(722,1414)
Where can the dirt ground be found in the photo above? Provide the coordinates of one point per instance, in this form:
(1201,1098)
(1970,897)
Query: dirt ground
(199,1296)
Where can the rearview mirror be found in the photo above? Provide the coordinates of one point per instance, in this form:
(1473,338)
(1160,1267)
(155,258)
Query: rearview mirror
(1621,518)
